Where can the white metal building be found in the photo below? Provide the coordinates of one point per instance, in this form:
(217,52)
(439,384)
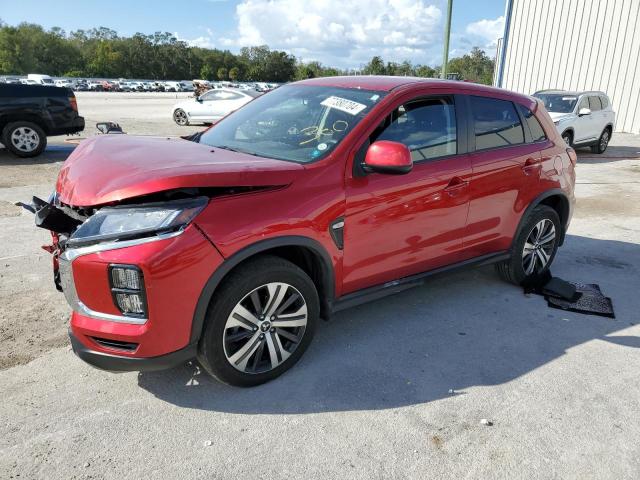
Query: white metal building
(574,45)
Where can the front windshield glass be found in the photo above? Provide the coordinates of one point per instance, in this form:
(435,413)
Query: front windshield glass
(557,102)
(295,122)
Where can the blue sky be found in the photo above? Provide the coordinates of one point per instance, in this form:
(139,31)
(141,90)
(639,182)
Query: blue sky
(344,33)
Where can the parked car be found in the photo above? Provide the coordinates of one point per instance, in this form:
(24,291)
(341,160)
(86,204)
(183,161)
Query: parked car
(187,86)
(584,119)
(211,106)
(63,82)
(29,81)
(40,79)
(173,87)
(30,113)
(313,198)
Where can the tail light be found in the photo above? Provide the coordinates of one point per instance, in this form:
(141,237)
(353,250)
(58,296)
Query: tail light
(74,103)
(572,155)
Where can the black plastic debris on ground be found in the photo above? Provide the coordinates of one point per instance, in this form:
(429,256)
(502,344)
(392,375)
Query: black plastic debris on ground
(571,296)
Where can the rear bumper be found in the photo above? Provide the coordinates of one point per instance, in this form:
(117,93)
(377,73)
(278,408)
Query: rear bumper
(117,363)
(74,126)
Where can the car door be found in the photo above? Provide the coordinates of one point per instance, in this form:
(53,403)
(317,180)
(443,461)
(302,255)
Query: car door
(584,128)
(399,225)
(203,107)
(598,116)
(505,168)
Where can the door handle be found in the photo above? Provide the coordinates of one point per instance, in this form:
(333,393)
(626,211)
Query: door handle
(530,165)
(455,185)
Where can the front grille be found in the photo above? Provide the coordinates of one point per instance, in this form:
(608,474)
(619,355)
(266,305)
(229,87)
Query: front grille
(115,344)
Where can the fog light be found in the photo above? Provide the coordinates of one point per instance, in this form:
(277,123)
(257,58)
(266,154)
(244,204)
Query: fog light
(130,303)
(127,288)
(123,277)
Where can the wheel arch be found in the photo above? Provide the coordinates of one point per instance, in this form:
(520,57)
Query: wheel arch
(569,130)
(304,252)
(22,117)
(555,199)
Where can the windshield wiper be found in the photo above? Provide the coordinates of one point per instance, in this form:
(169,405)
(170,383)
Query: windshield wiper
(237,150)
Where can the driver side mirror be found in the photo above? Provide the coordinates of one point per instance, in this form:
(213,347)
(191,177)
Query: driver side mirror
(388,157)
(584,111)
(199,99)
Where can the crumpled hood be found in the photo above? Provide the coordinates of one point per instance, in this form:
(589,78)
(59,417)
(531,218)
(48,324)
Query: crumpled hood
(558,117)
(110,168)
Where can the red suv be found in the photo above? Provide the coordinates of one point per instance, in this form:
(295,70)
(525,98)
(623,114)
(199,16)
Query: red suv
(320,195)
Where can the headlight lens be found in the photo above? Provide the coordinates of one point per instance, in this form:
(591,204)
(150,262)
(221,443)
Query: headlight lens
(135,221)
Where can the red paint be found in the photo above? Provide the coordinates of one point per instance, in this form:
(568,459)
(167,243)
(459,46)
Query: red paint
(385,155)
(441,212)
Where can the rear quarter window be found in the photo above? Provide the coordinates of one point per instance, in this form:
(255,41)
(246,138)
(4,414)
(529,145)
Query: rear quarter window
(604,101)
(496,123)
(537,132)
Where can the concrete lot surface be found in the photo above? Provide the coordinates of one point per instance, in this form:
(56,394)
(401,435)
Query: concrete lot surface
(371,397)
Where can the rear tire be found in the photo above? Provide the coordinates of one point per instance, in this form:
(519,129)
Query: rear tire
(537,242)
(603,142)
(24,139)
(260,322)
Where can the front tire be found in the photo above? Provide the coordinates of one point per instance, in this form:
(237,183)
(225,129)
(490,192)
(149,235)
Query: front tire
(534,248)
(180,117)
(603,142)
(568,138)
(260,322)
(24,139)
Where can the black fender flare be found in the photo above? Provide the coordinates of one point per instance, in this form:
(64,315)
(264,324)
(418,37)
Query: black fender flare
(328,275)
(537,201)
(569,129)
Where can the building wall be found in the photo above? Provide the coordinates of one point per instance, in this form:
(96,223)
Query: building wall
(575,45)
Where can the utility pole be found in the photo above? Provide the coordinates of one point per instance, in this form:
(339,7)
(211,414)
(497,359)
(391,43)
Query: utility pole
(447,32)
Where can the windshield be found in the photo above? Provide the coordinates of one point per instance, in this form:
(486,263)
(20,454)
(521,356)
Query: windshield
(294,122)
(557,102)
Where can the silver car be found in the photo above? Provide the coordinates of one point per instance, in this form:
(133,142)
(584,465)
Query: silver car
(584,119)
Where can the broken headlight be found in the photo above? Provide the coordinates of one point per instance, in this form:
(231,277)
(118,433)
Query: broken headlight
(136,221)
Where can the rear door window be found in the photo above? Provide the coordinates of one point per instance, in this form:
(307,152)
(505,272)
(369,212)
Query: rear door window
(605,101)
(594,103)
(426,126)
(496,123)
(537,132)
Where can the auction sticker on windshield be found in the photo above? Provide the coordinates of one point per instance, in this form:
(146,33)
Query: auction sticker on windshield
(344,105)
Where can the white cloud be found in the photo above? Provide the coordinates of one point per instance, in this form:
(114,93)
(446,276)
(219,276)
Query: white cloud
(203,41)
(343,33)
(486,31)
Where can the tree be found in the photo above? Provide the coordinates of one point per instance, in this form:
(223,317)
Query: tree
(375,67)
(475,66)
(206,72)
(222,73)
(234,72)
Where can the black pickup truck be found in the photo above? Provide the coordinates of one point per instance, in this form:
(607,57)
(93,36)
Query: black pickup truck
(30,113)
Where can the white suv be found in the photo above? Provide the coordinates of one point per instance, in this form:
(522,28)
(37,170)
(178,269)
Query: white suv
(584,119)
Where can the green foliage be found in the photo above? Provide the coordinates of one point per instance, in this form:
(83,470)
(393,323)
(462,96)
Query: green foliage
(206,72)
(223,73)
(475,66)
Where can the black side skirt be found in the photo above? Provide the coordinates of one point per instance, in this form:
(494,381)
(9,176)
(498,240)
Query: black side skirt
(395,286)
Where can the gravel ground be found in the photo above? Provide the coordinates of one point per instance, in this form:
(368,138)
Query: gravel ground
(371,398)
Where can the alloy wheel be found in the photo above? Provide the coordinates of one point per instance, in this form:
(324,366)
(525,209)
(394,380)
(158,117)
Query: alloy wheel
(265,328)
(25,139)
(538,247)
(604,140)
(180,117)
